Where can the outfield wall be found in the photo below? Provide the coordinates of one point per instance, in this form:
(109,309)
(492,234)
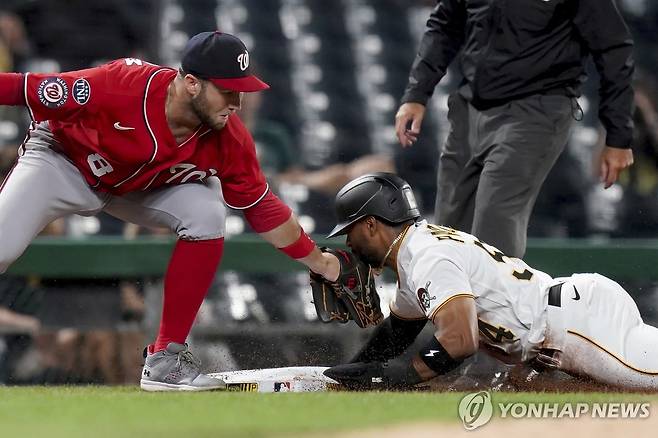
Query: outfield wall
(108,257)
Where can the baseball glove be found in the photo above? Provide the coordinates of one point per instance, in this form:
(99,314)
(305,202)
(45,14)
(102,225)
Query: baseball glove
(353,296)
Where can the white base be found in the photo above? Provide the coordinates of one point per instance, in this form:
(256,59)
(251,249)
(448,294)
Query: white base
(290,379)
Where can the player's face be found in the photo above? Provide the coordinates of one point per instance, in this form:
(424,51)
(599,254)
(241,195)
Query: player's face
(362,243)
(213,106)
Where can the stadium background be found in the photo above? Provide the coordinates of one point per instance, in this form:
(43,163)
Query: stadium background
(337,70)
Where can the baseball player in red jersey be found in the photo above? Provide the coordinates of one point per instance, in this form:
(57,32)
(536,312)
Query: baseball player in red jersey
(156,147)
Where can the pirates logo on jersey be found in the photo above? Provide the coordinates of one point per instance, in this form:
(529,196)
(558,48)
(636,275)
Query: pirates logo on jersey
(424,297)
(53,92)
(81,91)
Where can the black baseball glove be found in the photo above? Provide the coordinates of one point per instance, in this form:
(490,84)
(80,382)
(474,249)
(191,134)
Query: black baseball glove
(353,296)
(396,374)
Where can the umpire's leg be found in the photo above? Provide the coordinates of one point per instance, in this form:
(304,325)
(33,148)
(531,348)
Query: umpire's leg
(523,139)
(458,172)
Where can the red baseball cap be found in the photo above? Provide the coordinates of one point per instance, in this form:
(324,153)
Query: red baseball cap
(222,59)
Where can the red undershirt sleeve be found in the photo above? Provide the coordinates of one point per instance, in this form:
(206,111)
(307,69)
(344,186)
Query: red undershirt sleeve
(11,89)
(267,214)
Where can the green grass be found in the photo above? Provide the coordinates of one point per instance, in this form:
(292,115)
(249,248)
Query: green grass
(99,412)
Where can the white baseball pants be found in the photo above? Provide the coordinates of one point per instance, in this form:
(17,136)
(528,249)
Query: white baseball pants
(601,334)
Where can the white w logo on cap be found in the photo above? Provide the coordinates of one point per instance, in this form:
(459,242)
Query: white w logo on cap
(243,60)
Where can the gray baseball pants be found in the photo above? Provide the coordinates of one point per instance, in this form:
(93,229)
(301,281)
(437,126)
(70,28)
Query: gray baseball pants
(44,185)
(494,163)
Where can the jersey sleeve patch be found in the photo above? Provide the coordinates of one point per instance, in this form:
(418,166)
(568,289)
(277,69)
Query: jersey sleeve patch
(53,92)
(67,96)
(81,91)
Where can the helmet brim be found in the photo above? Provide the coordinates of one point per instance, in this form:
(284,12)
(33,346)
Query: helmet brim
(337,231)
(342,227)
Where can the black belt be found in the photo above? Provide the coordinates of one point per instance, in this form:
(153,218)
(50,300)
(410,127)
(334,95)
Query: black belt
(555,295)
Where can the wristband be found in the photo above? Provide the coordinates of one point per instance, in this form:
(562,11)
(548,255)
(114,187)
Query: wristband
(301,248)
(437,358)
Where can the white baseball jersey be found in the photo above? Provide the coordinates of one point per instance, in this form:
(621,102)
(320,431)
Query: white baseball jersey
(437,264)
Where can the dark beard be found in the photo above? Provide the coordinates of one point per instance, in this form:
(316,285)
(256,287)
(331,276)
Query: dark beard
(200,108)
(369,259)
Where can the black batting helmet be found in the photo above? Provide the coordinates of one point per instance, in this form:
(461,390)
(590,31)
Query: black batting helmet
(383,195)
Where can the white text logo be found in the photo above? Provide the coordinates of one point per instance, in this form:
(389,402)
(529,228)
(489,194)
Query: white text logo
(574,410)
(243,60)
(186,172)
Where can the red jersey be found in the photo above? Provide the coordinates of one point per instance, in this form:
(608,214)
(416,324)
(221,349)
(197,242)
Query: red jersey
(110,122)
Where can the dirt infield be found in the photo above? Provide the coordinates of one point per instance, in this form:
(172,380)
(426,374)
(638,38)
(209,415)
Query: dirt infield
(581,428)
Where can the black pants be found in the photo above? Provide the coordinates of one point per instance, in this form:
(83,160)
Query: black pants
(493,164)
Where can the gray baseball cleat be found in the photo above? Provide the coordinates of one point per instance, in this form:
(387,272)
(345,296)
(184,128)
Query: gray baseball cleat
(175,369)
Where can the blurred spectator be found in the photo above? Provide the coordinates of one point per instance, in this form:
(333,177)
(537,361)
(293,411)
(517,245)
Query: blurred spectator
(638,215)
(14,45)
(79,33)
(642,17)
(286,173)
(273,141)
(101,345)
(560,210)
(19,304)
(14,49)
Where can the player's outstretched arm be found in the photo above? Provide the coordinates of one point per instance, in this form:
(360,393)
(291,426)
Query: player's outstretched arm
(275,223)
(62,96)
(391,338)
(455,339)
(290,238)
